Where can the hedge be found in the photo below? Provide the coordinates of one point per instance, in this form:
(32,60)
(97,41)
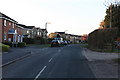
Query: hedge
(21,44)
(101,38)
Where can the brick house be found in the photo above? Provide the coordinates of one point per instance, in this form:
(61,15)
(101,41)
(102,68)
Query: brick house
(9,30)
(44,33)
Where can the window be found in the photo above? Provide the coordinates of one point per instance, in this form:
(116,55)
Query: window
(10,23)
(27,31)
(38,33)
(13,25)
(5,36)
(5,23)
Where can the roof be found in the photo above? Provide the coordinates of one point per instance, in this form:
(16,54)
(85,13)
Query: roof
(5,16)
(21,25)
(60,32)
(30,27)
(44,30)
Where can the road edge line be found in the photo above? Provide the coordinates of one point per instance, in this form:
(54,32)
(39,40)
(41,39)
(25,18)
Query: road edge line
(10,62)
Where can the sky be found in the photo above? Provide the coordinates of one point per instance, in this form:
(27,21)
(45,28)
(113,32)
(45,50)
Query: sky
(72,16)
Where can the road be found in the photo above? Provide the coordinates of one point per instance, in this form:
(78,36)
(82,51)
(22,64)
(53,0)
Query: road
(52,62)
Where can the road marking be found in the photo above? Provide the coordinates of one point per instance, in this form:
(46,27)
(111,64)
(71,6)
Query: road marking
(50,60)
(59,50)
(40,73)
(15,60)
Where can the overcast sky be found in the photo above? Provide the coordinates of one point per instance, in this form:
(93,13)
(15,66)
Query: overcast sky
(76,16)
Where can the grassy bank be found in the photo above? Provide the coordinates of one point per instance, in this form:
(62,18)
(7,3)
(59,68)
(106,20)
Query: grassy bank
(101,50)
(4,48)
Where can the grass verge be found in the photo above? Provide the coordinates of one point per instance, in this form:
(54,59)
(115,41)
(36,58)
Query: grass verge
(4,48)
(42,46)
(101,50)
(117,60)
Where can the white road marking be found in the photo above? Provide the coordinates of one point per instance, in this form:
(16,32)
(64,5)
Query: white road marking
(40,73)
(50,60)
(59,50)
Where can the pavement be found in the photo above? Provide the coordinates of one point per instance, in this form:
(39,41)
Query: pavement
(103,64)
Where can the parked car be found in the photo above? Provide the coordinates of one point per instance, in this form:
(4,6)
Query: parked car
(65,42)
(55,43)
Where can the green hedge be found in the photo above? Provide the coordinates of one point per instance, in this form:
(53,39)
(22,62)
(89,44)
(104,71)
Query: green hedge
(21,44)
(102,38)
(4,48)
(29,40)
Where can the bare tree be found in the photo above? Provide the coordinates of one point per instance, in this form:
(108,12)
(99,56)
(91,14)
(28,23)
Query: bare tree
(107,3)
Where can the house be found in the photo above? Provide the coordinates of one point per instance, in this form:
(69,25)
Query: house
(52,35)
(9,30)
(61,34)
(39,32)
(44,33)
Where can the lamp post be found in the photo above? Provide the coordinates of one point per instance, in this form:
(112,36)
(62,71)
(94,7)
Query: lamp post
(46,25)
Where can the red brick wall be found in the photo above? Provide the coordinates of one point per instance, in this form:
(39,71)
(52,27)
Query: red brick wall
(8,26)
(1,30)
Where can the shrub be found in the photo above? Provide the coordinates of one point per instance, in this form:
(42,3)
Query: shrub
(29,40)
(4,48)
(21,44)
(8,43)
(102,39)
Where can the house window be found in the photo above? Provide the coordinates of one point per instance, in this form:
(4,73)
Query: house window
(19,38)
(10,23)
(5,23)
(38,33)
(5,36)
(27,31)
(13,25)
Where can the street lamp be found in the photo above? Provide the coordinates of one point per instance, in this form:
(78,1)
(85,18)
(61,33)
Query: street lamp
(46,25)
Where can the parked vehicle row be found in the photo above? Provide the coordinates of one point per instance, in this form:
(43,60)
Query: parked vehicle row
(58,43)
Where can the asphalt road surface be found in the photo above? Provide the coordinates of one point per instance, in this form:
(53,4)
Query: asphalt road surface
(51,62)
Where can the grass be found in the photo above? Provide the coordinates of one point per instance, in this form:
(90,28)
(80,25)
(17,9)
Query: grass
(4,48)
(84,45)
(31,45)
(117,60)
(42,46)
(101,50)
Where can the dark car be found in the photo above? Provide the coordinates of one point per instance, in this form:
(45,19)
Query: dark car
(55,43)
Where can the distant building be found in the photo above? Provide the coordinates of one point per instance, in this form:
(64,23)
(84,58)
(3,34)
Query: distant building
(61,34)
(52,35)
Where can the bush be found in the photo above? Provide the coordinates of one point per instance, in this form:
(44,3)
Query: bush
(29,40)
(4,48)
(21,44)
(8,43)
(102,39)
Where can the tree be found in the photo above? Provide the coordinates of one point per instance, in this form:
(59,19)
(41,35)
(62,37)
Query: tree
(112,18)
